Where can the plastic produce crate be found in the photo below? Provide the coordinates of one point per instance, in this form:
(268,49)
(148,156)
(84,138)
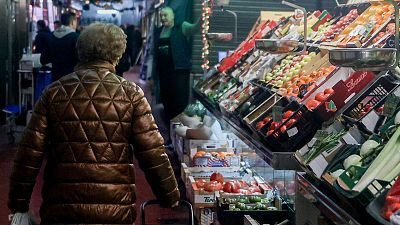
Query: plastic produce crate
(298,134)
(375,207)
(343,92)
(367,195)
(263,111)
(372,98)
(230,217)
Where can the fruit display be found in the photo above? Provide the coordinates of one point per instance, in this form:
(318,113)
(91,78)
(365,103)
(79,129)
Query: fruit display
(370,21)
(217,182)
(380,40)
(249,203)
(247,45)
(223,85)
(340,123)
(299,85)
(319,99)
(273,125)
(288,68)
(337,27)
(236,99)
(215,159)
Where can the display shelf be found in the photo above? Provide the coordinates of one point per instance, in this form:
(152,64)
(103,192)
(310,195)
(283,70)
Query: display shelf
(324,203)
(277,160)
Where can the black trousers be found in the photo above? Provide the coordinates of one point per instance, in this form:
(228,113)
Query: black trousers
(174,91)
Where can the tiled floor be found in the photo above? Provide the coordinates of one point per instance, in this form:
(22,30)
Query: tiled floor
(155,214)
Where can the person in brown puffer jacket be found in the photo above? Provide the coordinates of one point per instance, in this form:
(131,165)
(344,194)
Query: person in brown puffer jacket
(85,123)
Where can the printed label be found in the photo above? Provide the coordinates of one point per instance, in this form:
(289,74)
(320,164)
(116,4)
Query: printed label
(292,132)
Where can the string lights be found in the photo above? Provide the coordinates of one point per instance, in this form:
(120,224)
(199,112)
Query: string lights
(205,17)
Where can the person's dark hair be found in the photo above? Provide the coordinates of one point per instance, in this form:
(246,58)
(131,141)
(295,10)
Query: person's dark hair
(57,22)
(130,28)
(41,24)
(67,18)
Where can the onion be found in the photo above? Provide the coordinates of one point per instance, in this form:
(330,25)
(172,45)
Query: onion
(368,147)
(352,160)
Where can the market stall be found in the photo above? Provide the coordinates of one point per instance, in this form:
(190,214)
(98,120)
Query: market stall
(315,92)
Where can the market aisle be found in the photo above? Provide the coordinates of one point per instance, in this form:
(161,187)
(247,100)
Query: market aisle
(7,152)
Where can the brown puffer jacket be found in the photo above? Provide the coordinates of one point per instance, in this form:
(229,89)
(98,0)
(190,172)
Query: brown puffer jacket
(85,123)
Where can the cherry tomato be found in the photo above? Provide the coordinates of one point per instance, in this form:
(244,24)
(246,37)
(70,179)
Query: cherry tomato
(312,104)
(287,114)
(290,123)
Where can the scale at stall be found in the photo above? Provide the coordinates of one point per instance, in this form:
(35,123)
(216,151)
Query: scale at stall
(369,59)
(224,37)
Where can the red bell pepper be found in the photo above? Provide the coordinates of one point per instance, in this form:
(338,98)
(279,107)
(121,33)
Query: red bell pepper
(392,203)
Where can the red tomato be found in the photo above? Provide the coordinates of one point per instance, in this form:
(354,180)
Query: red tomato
(243,183)
(290,123)
(201,183)
(217,177)
(254,189)
(329,91)
(288,114)
(368,107)
(312,104)
(245,192)
(270,132)
(283,129)
(231,187)
(213,186)
(274,125)
(321,97)
(259,125)
(267,119)
(380,109)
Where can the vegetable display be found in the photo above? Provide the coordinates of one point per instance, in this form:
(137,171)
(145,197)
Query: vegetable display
(385,166)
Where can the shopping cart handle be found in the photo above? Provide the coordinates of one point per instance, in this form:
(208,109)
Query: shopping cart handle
(156,202)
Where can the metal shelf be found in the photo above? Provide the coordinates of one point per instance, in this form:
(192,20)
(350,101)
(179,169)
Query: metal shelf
(325,204)
(277,160)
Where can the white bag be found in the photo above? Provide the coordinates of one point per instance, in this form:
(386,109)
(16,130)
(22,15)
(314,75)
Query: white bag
(22,219)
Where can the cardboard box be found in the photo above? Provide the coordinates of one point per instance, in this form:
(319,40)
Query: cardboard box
(321,162)
(205,216)
(206,172)
(200,198)
(209,161)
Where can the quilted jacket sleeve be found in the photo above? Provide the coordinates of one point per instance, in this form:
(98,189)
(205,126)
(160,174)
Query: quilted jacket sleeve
(28,159)
(149,151)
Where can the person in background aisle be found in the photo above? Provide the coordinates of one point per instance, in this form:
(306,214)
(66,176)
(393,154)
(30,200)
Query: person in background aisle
(124,63)
(62,47)
(42,37)
(173,61)
(134,38)
(85,123)
(57,24)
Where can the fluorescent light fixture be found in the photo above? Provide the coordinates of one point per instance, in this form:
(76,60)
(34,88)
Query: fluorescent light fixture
(107,11)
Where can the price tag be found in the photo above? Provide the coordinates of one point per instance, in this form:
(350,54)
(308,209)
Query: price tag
(304,150)
(293,131)
(277,113)
(313,142)
(318,165)
(391,103)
